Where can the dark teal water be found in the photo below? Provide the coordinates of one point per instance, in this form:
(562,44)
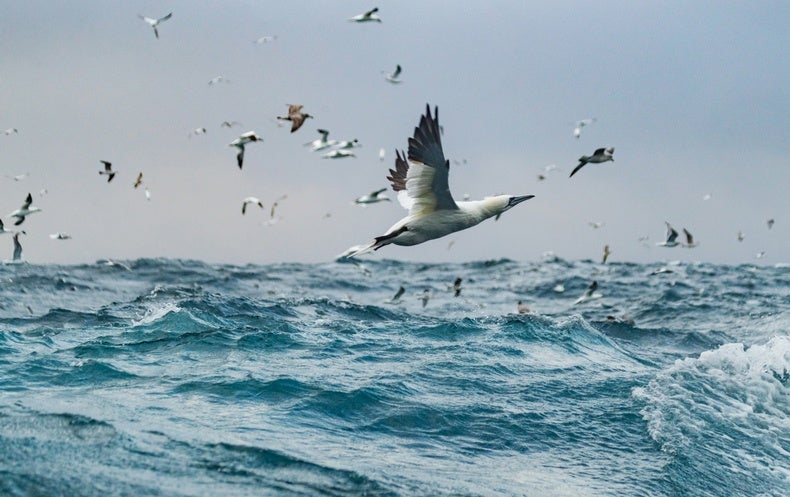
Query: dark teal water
(181,378)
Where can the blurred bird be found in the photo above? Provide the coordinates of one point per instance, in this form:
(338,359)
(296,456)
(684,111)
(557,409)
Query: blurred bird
(346,144)
(577,130)
(139,180)
(229,124)
(24,211)
(275,204)
(606,253)
(11,131)
(107,170)
(690,243)
(521,307)
(396,298)
(423,189)
(457,287)
(321,143)
(672,236)
(741,236)
(17,257)
(338,154)
(589,294)
(60,236)
(250,200)
(425,296)
(367,16)
(770,223)
(296,116)
(265,39)
(596,224)
(197,131)
(382,154)
(241,141)
(393,77)
(218,79)
(372,197)
(600,155)
(154,23)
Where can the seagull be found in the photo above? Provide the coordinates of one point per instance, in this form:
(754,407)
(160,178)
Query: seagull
(577,130)
(60,236)
(521,307)
(107,170)
(372,197)
(672,236)
(155,22)
(321,143)
(457,287)
(265,39)
(589,294)
(770,223)
(396,298)
(423,189)
(139,180)
(392,77)
(242,140)
(606,253)
(367,16)
(250,200)
(25,210)
(11,131)
(600,155)
(296,116)
(690,243)
(338,154)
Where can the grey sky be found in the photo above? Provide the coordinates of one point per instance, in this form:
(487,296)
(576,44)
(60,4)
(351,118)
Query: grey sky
(694,96)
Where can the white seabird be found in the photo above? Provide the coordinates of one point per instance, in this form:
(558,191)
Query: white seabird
(382,154)
(690,243)
(589,294)
(107,170)
(154,23)
(372,197)
(393,77)
(265,39)
(25,210)
(367,16)
(672,237)
(321,143)
(10,131)
(338,154)
(241,141)
(600,155)
(423,189)
(60,236)
(577,129)
(346,144)
(250,200)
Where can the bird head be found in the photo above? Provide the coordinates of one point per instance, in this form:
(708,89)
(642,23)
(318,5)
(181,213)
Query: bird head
(501,203)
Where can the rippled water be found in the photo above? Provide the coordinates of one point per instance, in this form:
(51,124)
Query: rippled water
(171,377)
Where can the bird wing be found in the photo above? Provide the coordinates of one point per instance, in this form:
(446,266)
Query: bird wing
(371,12)
(671,233)
(294,110)
(397,179)
(689,238)
(28,201)
(397,71)
(426,183)
(377,192)
(581,165)
(168,16)
(296,122)
(17,247)
(244,207)
(240,155)
(600,151)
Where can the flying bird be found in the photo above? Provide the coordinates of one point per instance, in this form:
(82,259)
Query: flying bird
(296,116)
(24,211)
(241,141)
(457,287)
(367,16)
(770,223)
(139,180)
(422,186)
(382,154)
(600,155)
(589,294)
(274,206)
(393,77)
(672,237)
(17,257)
(218,79)
(338,154)
(425,296)
(107,170)
(372,197)
(60,236)
(606,253)
(577,129)
(250,200)
(229,124)
(396,298)
(11,131)
(346,144)
(690,243)
(197,131)
(321,143)
(155,22)
(741,236)
(265,39)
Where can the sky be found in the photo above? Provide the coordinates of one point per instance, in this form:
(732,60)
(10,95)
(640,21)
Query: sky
(694,96)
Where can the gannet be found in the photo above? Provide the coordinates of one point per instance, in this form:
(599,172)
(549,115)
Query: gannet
(367,16)
(372,197)
(242,140)
(338,154)
(155,22)
(672,236)
(606,253)
(321,143)
(690,243)
(600,155)
(250,200)
(423,189)
(346,144)
(60,236)
(577,129)
(25,210)
(393,77)
(107,170)
(139,180)
(296,116)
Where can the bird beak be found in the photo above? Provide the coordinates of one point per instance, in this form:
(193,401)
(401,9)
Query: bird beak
(517,200)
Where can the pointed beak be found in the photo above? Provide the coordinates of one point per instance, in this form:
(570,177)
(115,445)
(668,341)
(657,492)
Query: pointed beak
(517,200)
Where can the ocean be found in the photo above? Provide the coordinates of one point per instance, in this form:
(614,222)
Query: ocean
(159,377)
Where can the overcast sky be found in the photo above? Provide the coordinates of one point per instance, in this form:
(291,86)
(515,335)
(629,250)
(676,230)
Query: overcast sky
(694,96)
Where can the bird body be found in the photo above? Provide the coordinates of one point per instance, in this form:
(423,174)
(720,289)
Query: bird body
(600,155)
(338,154)
(139,180)
(372,197)
(154,23)
(107,170)
(250,200)
(24,211)
(422,188)
(296,116)
(394,77)
(240,142)
(321,143)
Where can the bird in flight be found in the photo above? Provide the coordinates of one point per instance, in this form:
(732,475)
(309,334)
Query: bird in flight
(600,155)
(296,116)
(672,237)
(107,170)
(24,211)
(420,179)
(367,16)
(155,22)
(241,141)
(393,77)
(250,200)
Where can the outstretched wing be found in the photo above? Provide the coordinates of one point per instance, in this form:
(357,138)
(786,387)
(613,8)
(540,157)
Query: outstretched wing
(426,181)
(397,179)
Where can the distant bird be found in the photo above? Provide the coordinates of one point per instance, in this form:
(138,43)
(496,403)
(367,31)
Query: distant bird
(250,200)
(18,177)
(382,154)
(10,131)
(154,23)
(147,195)
(672,237)
(423,189)
(367,16)
(707,196)
(17,257)
(321,143)
(274,206)
(577,129)
(425,296)
(346,144)
(218,79)
(396,298)
(741,236)
(229,124)
(589,294)
(606,253)
(265,39)
(457,287)
(760,255)
(24,211)
(107,170)
(197,131)
(690,243)
(770,223)
(296,116)
(596,224)
(241,141)
(521,307)
(541,177)
(600,155)
(139,180)
(60,236)
(338,154)
(393,77)
(372,197)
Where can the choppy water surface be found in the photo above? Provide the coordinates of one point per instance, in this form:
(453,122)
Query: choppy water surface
(181,378)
